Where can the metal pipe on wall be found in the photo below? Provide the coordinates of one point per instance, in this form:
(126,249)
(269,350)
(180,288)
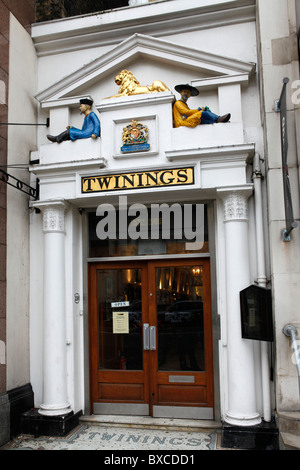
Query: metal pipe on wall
(290,330)
(261,281)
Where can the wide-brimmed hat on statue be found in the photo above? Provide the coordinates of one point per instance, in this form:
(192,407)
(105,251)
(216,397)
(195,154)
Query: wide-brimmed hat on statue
(86,101)
(192,89)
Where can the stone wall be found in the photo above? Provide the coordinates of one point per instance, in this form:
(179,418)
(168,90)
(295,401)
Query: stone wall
(4,34)
(279,59)
(24,12)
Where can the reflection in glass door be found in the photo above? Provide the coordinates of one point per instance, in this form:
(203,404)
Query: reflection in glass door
(151,338)
(120,319)
(182,368)
(119,367)
(179,298)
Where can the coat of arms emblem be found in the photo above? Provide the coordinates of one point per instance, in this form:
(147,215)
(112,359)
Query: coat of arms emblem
(135,137)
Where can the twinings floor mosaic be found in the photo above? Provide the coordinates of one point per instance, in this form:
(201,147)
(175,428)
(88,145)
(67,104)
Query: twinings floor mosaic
(105,438)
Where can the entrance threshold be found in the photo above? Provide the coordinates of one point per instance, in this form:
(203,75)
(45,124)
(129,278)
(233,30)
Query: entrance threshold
(149,422)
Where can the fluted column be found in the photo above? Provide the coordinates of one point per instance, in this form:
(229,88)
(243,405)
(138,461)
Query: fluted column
(242,409)
(54,326)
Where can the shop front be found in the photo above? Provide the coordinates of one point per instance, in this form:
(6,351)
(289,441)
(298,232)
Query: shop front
(152,356)
(144,316)
(150,317)
(140,246)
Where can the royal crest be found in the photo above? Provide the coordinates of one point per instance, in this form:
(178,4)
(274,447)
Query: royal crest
(135,137)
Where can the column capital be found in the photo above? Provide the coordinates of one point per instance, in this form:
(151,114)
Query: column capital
(53,214)
(235,202)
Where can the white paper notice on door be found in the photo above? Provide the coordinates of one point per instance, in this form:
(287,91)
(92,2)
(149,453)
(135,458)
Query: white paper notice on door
(120,322)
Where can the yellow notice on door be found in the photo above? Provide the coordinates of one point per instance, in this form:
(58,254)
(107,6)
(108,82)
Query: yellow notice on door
(120,322)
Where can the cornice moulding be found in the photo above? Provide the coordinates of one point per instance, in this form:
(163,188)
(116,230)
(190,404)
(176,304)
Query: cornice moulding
(158,19)
(156,48)
(245,191)
(67,168)
(71,102)
(226,153)
(134,100)
(213,82)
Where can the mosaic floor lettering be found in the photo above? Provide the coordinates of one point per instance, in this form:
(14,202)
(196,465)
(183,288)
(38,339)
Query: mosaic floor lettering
(90,437)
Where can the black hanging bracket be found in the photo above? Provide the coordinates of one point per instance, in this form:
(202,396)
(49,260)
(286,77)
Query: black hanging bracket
(20,185)
(280,106)
(46,124)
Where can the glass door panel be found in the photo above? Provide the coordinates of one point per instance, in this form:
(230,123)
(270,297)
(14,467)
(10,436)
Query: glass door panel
(120,319)
(151,338)
(180,323)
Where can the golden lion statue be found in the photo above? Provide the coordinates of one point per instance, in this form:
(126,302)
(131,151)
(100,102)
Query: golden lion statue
(129,85)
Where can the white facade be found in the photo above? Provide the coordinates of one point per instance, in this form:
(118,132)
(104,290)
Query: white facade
(79,57)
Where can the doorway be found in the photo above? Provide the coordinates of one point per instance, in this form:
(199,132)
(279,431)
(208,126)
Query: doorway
(150,332)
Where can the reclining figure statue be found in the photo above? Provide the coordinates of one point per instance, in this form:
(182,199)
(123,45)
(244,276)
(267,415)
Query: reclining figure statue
(184,116)
(90,128)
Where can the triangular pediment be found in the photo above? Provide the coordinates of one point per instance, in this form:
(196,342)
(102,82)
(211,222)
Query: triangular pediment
(144,49)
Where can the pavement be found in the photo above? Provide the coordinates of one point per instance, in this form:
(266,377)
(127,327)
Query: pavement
(120,437)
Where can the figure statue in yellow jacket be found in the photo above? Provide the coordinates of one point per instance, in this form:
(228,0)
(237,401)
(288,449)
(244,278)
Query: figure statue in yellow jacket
(184,116)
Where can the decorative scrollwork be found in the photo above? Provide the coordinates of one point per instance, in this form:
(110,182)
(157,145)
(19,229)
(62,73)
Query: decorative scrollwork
(235,206)
(54,219)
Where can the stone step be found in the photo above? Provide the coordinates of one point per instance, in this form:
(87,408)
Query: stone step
(147,422)
(289,441)
(289,422)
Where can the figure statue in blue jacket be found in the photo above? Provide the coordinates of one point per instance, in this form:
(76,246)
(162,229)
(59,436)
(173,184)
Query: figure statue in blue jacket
(90,128)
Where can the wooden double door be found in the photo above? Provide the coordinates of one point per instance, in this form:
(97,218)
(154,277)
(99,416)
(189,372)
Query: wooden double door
(150,333)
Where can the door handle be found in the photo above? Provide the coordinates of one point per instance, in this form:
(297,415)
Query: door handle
(146,336)
(152,338)
(149,337)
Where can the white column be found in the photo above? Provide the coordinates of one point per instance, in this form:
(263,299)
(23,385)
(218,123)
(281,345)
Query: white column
(261,281)
(54,326)
(242,409)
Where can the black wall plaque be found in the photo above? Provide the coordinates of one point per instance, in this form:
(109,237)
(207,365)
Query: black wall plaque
(256,313)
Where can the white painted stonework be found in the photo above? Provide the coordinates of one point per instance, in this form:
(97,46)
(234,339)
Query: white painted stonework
(221,154)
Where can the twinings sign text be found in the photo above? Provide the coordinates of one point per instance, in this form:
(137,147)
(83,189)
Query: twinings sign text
(137,180)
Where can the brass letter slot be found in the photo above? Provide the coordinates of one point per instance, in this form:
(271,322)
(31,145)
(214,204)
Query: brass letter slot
(182,379)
